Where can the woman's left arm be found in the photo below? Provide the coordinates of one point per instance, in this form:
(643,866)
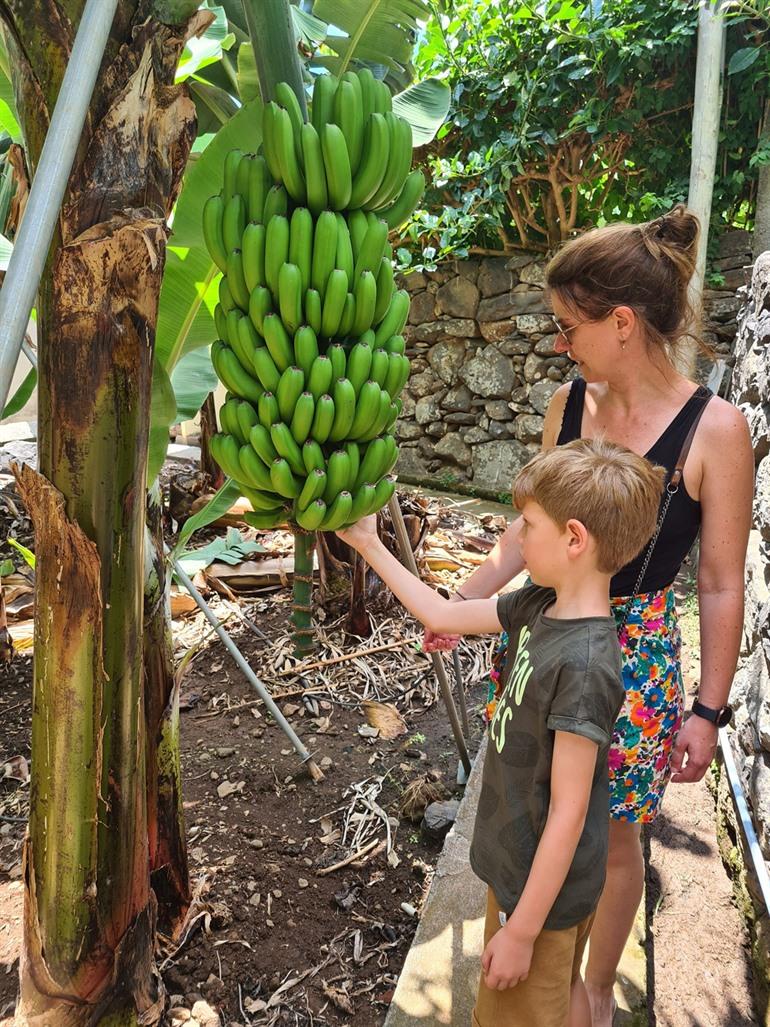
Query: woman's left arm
(726,496)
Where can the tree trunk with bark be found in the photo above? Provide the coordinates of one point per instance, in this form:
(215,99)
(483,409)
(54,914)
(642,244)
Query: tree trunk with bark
(89,916)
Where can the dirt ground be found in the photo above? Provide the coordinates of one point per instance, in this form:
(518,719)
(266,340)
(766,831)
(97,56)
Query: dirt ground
(274,939)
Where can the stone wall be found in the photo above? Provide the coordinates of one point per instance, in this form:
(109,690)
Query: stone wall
(484,368)
(750,695)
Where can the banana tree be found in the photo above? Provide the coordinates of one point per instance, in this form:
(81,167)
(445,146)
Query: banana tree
(89,916)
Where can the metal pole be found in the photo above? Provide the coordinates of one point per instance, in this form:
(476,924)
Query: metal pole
(407,557)
(742,809)
(30,248)
(313,769)
(461,692)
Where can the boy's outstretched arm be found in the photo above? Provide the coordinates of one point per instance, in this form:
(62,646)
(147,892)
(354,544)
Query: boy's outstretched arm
(475,617)
(507,957)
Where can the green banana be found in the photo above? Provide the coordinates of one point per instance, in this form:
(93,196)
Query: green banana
(220,321)
(259,184)
(230,371)
(260,305)
(349,117)
(383,492)
(322,110)
(230,173)
(306,350)
(213,212)
(312,457)
(373,166)
(344,259)
(233,340)
(286,446)
(313,309)
(263,521)
(338,513)
(248,343)
(290,296)
(276,204)
(398,373)
(315,173)
(288,160)
(336,353)
(382,415)
(261,502)
(362,501)
(236,281)
(392,453)
(302,418)
(399,162)
(301,243)
(358,364)
(357,226)
(394,319)
(385,289)
(233,223)
(286,96)
(368,100)
(410,196)
(365,296)
(278,342)
(228,418)
(254,472)
(344,409)
(337,474)
(269,144)
(379,368)
(383,99)
(290,387)
(253,256)
(242,178)
(367,409)
(374,460)
(321,375)
(265,369)
(276,251)
(313,489)
(324,251)
(311,517)
(226,300)
(225,455)
(336,165)
(268,411)
(334,303)
(261,441)
(372,247)
(354,461)
(323,418)
(396,344)
(392,416)
(348,316)
(283,481)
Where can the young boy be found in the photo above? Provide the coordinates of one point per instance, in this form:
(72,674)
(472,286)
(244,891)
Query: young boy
(540,839)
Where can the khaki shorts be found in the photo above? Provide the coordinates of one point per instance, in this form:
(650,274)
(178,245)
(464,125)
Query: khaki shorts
(543,999)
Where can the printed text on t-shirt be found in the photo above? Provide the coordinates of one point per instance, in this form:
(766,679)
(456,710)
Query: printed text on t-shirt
(521,671)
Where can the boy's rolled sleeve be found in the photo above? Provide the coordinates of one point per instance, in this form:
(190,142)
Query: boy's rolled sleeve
(585,703)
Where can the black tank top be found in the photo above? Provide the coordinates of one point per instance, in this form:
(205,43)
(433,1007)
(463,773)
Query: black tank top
(682,523)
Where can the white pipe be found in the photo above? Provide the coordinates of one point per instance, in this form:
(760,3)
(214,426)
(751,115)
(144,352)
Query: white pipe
(31,244)
(742,809)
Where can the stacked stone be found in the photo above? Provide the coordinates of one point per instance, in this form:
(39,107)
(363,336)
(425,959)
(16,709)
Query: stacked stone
(483,371)
(750,695)
(721,306)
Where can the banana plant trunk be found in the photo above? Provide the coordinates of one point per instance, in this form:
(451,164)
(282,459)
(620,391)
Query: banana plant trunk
(89,912)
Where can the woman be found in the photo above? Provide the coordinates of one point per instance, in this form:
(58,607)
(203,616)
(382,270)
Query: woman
(619,296)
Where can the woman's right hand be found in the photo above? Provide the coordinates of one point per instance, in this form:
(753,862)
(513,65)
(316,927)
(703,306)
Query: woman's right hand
(433,643)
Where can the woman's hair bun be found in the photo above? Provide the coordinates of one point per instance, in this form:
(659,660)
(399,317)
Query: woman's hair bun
(676,231)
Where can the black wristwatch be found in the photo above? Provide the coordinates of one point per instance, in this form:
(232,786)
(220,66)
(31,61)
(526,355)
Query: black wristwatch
(721,717)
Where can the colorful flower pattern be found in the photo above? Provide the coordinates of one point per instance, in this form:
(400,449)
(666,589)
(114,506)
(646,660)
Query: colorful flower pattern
(640,752)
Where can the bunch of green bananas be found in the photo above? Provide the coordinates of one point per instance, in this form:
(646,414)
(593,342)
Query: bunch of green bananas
(309,319)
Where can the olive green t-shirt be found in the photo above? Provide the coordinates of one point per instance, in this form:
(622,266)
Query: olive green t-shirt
(559,675)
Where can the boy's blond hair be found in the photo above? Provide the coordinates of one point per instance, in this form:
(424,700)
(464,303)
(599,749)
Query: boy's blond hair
(613,492)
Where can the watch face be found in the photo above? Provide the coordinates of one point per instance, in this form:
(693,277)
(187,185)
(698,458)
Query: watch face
(725,716)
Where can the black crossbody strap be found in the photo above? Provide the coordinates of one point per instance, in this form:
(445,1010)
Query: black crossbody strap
(672,487)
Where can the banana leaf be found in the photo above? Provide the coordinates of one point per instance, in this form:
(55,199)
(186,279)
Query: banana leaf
(22,394)
(220,504)
(206,49)
(425,106)
(193,379)
(376,32)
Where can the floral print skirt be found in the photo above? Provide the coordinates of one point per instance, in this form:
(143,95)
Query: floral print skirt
(651,715)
